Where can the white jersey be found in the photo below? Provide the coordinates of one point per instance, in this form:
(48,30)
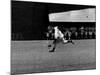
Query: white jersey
(58,33)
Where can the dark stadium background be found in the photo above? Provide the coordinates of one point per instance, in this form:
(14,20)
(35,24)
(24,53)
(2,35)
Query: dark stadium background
(29,20)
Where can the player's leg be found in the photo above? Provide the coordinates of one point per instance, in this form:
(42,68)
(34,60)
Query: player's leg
(61,36)
(70,40)
(64,40)
(49,40)
(53,46)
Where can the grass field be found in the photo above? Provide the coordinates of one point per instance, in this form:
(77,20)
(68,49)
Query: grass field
(33,56)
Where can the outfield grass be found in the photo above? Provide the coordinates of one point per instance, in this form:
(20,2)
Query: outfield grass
(33,56)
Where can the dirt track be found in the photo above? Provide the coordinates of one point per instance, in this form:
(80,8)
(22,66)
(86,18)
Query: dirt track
(33,56)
